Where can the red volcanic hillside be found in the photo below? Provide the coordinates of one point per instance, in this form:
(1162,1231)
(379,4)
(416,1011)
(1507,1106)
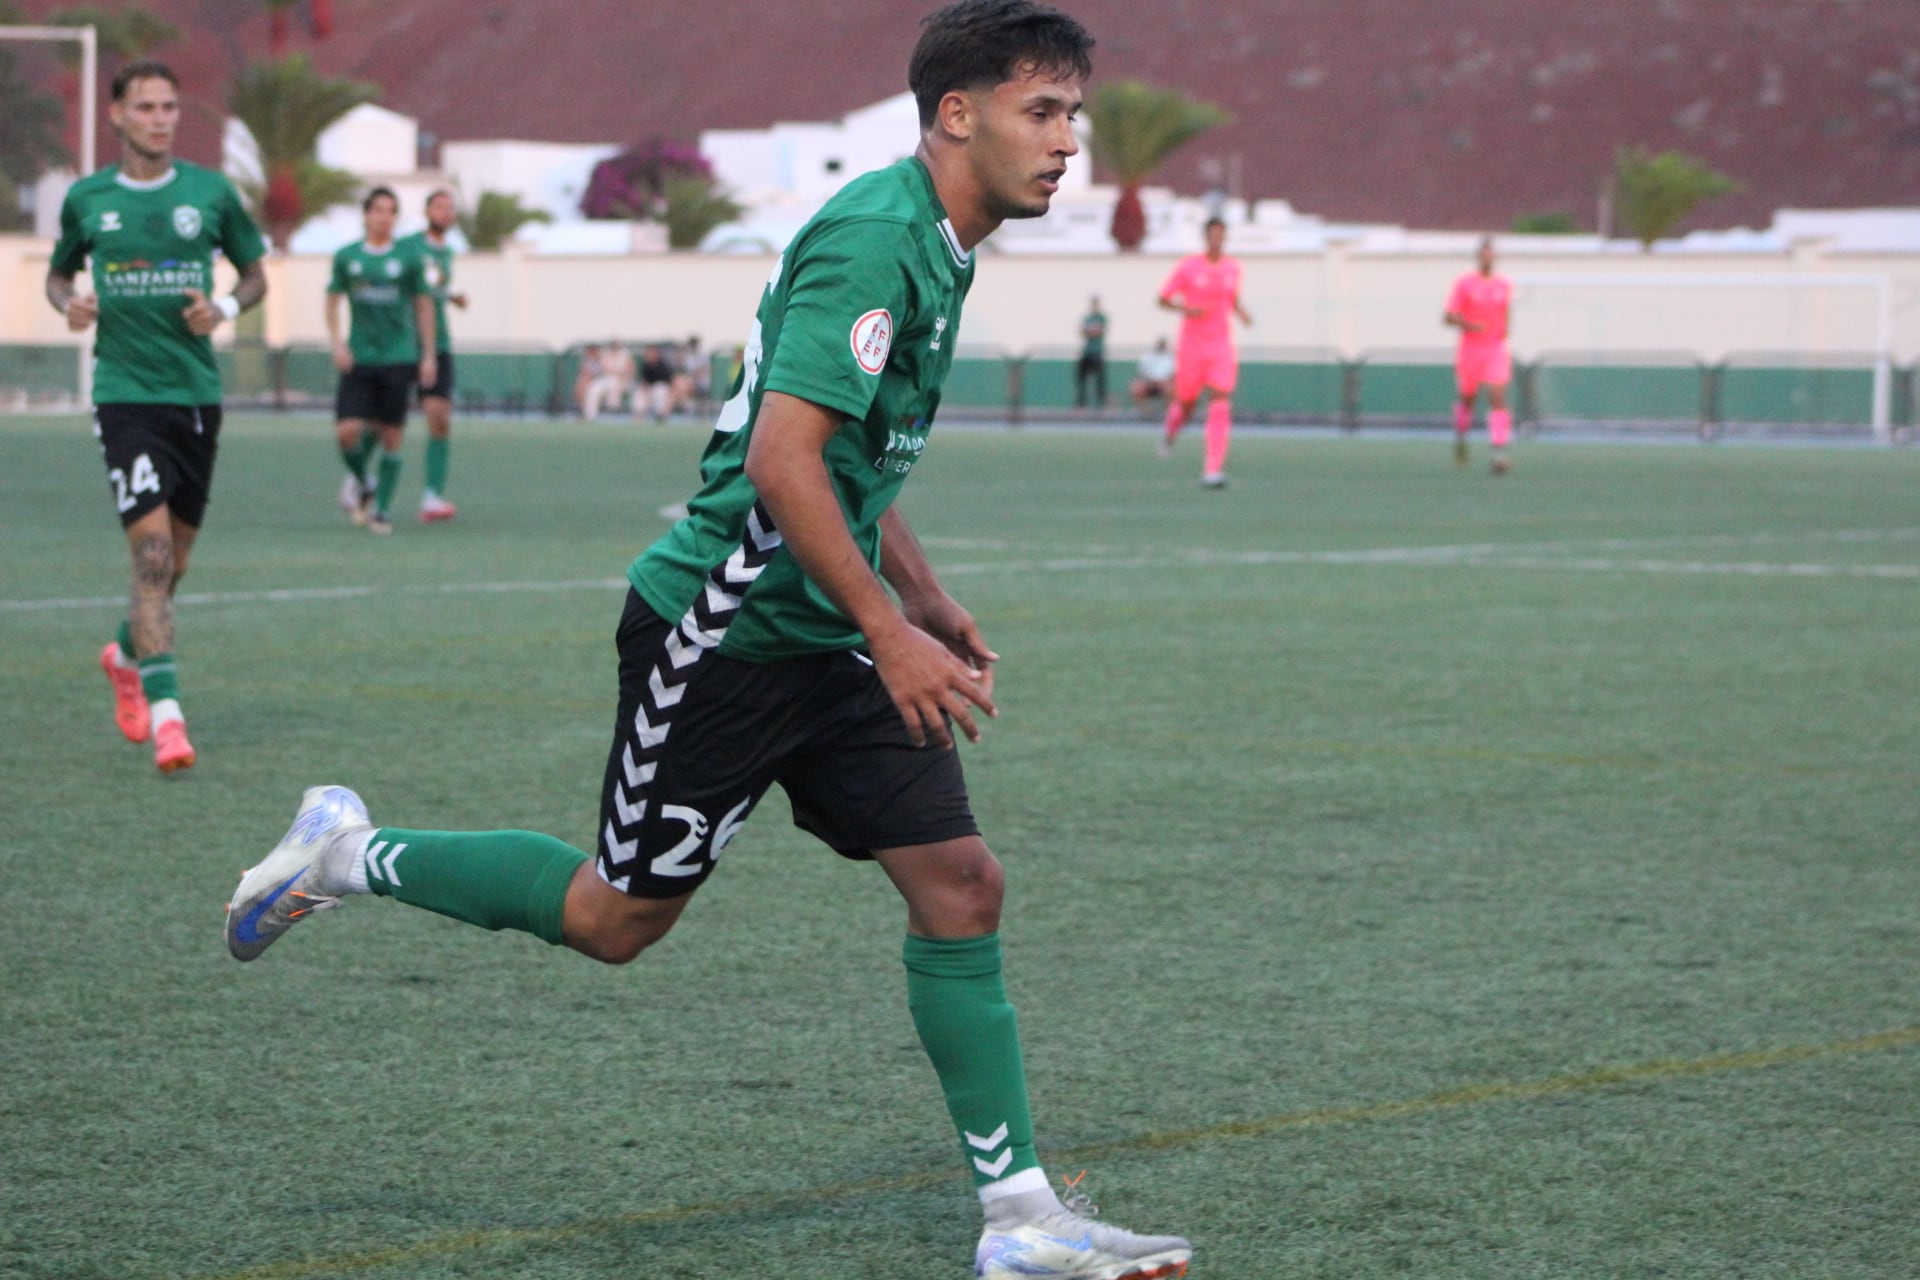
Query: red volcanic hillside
(1439,113)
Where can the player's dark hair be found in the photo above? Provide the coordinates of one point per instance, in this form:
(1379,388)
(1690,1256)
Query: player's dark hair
(980,43)
(1215,221)
(124,78)
(437,192)
(375,194)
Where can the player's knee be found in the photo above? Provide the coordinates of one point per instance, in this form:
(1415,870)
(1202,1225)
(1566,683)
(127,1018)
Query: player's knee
(153,562)
(975,891)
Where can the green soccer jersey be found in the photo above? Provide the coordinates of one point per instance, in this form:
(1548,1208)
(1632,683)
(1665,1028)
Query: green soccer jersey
(150,242)
(380,285)
(437,262)
(860,317)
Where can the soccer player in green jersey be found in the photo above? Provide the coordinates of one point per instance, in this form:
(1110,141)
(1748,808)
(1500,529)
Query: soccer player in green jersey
(436,398)
(760,643)
(151,224)
(391,342)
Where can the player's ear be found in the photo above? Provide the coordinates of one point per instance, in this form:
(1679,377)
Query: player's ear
(956,115)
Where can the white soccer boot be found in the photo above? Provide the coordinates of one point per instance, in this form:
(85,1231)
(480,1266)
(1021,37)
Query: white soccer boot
(1067,1244)
(306,872)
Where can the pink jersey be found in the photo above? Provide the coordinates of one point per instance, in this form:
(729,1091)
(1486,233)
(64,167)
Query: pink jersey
(1482,300)
(1211,286)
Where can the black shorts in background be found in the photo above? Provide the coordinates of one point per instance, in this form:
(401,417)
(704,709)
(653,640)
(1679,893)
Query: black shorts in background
(700,737)
(375,393)
(159,455)
(443,377)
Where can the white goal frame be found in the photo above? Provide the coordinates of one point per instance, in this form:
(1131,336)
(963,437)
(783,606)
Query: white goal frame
(89,39)
(1880,285)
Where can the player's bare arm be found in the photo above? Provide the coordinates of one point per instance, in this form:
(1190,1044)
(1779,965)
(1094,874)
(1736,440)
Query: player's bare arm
(1460,322)
(785,462)
(203,314)
(80,309)
(925,603)
(423,320)
(342,356)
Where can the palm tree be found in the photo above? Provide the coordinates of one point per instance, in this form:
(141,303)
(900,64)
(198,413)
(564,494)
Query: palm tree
(1655,193)
(694,207)
(1136,126)
(286,106)
(495,217)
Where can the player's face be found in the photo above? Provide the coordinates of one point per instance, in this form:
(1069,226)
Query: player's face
(1216,240)
(1486,259)
(146,117)
(380,217)
(440,213)
(1021,142)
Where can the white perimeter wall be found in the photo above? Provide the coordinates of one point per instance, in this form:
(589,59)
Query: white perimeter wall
(1339,300)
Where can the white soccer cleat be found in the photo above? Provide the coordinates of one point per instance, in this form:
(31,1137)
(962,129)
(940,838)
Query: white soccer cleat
(293,881)
(353,499)
(1067,1244)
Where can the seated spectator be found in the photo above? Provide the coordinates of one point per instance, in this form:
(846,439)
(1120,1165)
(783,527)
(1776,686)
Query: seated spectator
(589,370)
(692,385)
(1153,376)
(612,382)
(656,384)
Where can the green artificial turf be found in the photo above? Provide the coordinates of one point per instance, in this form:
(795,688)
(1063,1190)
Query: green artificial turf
(1411,872)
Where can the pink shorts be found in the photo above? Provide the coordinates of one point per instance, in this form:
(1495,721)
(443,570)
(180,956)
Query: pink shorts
(1213,368)
(1482,364)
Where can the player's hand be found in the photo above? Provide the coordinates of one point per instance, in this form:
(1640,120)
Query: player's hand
(82,310)
(929,682)
(199,314)
(1193,312)
(342,358)
(429,370)
(458,299)
(941,617)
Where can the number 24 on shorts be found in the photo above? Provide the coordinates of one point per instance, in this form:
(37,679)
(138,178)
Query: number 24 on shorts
(143,480)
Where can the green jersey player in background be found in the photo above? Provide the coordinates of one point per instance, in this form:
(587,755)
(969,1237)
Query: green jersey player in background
(151,224)
(390,342)
(436,398)
(760,644)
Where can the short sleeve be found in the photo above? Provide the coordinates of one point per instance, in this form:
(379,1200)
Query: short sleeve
(337,283)
(847,295)
(413,281)
(239,237)
(70,251)
(1457,300)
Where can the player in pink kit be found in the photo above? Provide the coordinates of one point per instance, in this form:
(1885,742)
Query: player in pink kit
(1479,306)
(1205,288)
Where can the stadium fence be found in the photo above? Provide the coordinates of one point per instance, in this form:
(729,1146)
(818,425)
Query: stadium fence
(1661,391)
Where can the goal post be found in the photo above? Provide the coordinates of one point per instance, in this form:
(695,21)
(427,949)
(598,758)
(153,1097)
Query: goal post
(89,39)
(1877,288)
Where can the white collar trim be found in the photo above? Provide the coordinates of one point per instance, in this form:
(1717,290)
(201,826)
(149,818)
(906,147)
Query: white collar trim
(148,184)
(961,257)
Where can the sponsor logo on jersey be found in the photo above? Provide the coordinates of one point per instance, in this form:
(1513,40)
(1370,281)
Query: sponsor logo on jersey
(186,222)
(872,339)
(393,270)
(110,220)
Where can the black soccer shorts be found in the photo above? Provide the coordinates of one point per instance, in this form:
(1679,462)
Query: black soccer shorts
(159,455)
(700,737)
(375,393)
(443,378)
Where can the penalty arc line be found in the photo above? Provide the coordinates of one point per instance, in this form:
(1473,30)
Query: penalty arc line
(1584,1082)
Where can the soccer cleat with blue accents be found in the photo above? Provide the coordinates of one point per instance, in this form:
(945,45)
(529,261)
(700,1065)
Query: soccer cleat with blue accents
(1068,1244)
(300,876)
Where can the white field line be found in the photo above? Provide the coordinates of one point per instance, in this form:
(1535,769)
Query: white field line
(1547,557)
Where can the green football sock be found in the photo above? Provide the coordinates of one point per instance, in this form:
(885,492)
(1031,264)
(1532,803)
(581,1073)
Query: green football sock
(495,879)
(389,480)
(125,640)
(970,1031)
(358,456)
(159,677)
(437,464)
